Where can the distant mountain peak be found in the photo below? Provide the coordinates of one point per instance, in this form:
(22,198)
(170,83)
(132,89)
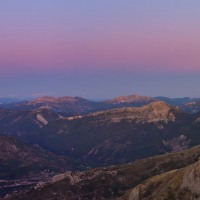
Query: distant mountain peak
(53,100)
(45,99)
(49,99)
(134,98)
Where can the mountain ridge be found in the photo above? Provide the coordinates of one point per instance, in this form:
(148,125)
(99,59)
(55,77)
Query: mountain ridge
(109,182)
(121,135)
(153,112)
(77,105)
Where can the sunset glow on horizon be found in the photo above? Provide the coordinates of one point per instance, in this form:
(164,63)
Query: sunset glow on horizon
(107,36)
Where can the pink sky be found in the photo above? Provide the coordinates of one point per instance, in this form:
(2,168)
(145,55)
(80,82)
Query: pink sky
(145,36)
(116,47)
(175,53)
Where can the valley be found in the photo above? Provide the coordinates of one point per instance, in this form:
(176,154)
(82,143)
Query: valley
(59,143)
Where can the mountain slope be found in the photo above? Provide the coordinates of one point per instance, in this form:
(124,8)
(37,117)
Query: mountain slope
(108,137)
(23,165)
(154,112)
(178,184)
(108,183)
(16,156)
(191,107)
(119,136)
(24,121)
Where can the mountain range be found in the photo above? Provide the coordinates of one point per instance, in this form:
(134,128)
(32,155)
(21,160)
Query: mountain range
(77,105)
(106,137)
(47,136)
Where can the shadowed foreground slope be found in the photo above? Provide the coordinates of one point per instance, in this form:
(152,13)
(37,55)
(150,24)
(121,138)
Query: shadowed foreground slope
(108,183)
(23,165)
(181,184)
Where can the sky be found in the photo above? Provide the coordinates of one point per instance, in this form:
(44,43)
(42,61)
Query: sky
(99,49)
